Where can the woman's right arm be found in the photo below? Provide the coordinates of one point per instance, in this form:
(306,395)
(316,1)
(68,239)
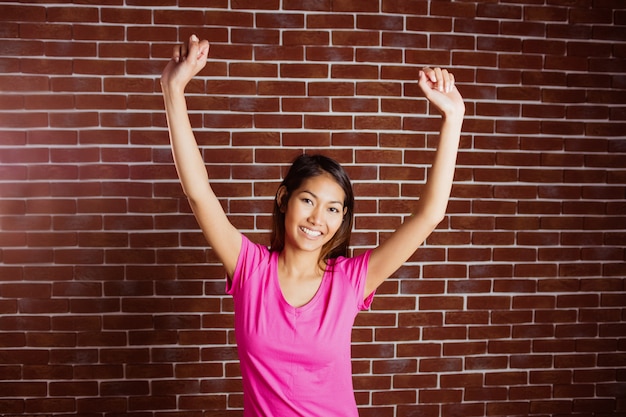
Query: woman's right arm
(186,62)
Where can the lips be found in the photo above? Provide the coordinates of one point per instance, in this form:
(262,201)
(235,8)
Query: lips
(310,232)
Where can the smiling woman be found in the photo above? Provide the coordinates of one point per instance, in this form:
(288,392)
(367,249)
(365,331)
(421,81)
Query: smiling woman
(314,214)
(296,301)
(308,167)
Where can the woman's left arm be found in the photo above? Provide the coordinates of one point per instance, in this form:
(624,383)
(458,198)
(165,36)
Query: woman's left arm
(439,88)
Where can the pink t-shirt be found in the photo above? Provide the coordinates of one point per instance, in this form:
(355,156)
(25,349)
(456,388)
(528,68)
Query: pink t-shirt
(296,361)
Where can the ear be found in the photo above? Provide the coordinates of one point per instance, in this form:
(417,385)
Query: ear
(281,196)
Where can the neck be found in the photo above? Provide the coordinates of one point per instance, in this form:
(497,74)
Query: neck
(299,263)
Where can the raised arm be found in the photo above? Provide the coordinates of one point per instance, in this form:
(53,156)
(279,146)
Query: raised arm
(438,87)
(186,62)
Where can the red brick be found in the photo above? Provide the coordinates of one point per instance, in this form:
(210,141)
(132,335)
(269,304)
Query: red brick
(45,31)
(490,332)
(113,405)
(394,397)
(445,333)
(306,37)
(73,389)
(326,122)
(332,88)
(333,20)
(507,408)
(250,69)
(23,13)
(440,396)
(281,53)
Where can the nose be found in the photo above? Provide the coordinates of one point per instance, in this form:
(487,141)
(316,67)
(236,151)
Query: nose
(315,217)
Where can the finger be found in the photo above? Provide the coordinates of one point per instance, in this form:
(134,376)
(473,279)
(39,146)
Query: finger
(430,74)
(194,47)
(176,53)
(424,81)
(203,50)
(439,79)
(452,81)
(183,51)
(445,78)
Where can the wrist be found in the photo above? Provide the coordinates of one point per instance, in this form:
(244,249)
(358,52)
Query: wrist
(171,92)
(453,118)
(169,87)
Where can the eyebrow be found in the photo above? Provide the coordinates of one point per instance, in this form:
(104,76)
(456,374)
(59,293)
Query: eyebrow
(317,198)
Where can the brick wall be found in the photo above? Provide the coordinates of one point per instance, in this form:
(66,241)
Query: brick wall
(111,303)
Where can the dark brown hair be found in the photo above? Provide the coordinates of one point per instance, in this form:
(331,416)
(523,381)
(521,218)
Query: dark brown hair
(307,166)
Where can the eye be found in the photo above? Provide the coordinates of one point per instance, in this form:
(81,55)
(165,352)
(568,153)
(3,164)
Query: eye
(307,201)
(334,210)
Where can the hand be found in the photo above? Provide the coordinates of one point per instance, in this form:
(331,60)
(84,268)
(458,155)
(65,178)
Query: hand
(438,87)
(186,62)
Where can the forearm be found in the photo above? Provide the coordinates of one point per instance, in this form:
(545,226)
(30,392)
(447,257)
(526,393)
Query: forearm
(187,157)
(436,193)
(438,87)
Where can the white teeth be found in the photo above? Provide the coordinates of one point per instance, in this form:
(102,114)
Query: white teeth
(312,233)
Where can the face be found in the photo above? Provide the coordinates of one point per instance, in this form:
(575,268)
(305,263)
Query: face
(315,212)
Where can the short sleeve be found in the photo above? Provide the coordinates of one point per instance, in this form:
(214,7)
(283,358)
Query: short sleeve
(355,270)
(250,256)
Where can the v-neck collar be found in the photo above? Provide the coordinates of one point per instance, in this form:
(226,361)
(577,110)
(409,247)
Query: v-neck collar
(276,281)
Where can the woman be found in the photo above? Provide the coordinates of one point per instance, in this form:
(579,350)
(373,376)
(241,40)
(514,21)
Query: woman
(295,303)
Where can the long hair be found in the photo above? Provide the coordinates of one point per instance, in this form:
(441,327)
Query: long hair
(304,167)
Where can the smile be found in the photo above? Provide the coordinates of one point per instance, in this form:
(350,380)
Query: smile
(312,233)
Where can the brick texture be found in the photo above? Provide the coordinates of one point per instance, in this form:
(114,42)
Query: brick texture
(112,304)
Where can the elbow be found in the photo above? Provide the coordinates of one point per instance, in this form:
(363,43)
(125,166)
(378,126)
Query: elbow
(193,198)
(432,219)
(432,216)
(436,219)
(197,196)
(191,194)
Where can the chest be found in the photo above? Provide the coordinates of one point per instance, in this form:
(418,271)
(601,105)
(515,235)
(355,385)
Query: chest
(299,292)
(303,320)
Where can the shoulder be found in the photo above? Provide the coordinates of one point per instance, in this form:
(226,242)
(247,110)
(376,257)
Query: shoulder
(353,271)
(251,246)
(347,261)
(253,257)
(352,267)
(252,254)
